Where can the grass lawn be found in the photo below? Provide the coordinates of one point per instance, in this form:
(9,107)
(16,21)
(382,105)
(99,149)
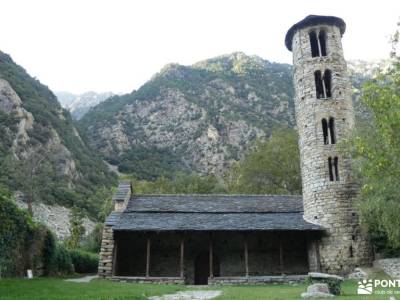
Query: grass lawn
(58,289)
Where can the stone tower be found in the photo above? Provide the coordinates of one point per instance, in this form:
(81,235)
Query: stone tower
(324,116)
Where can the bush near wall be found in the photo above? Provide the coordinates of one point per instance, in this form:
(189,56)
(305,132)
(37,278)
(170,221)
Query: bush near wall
(84,262)
(16,231)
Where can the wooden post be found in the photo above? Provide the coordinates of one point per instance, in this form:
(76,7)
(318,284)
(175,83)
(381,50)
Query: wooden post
(211,259)
(182,257)
(317,255)
(281,255)
(114,261)
(246,257)
(148,257)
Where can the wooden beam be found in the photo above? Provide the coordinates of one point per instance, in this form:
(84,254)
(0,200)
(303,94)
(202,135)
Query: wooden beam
(114,261)
(281,265)
(182,267)
(246,257)
(148,257)
(211,259)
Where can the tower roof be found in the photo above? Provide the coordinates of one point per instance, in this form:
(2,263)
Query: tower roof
(312,20)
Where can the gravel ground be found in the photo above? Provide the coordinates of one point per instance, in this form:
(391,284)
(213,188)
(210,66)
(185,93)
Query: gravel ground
(189,295)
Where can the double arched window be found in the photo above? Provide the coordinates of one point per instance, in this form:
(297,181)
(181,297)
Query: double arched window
(323,84)
(328,131)
(318,43)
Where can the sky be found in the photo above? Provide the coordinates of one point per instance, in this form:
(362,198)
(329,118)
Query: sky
(118,45)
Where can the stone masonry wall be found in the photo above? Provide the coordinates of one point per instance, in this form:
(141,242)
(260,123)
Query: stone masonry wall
(328,203)
(106,253)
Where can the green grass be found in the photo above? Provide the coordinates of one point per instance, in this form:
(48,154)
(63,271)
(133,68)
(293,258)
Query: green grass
(58,289)
(289,292)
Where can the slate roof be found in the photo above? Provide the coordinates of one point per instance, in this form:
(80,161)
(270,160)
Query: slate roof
(310,21)
(123,191)
(215,203)
(211,213)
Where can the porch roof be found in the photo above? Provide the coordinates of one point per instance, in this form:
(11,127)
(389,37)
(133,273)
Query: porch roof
(211,213)
(164,221)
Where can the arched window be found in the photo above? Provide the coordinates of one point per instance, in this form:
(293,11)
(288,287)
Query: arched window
(327,83)
(322,42)
(323,84)
(325,131)
(314,44)
(336,166)
(333,169)
(318,43)
(332,130)
(319,89)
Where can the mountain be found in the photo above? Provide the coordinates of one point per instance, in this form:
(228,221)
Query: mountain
(79,104)
(193,118)
(41,152)
(201,117)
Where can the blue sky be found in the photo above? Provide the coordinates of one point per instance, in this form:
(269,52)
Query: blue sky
(118,45)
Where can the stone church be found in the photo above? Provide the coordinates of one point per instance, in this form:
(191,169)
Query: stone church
(251,239)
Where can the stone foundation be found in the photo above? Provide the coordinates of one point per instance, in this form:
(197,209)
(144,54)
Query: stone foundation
(255,280)
(153,280)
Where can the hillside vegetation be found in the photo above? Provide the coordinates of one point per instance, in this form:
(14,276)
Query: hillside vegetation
(200,118)
(197,118)
(41,152)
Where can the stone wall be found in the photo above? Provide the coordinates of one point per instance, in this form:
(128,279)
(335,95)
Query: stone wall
(256,280)
(391,266)
(328,203)
(153,280)
(106,259)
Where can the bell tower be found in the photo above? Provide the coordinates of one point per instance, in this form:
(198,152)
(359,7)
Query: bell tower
(324,116)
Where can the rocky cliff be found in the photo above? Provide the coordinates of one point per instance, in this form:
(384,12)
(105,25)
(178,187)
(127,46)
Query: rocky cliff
(198,118)
(41,152)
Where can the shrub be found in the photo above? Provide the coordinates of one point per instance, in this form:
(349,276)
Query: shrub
(63,261)
(92,241)
(84,262)
(16,227)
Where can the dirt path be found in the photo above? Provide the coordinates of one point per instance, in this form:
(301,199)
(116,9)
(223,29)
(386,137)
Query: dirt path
(189,295)
(85,279)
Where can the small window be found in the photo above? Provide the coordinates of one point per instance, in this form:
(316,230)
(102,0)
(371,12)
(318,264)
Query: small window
(325,131)
(327,82)
(314,44)
(333,169)
(323,84)
(332,130)
(336,165)
(318,43)
(322,42)
(318,85)
(328,131)
(331,178)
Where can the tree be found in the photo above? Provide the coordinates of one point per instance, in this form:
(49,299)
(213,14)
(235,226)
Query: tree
(33,170)
(376,149)
(273,168)
(77,230)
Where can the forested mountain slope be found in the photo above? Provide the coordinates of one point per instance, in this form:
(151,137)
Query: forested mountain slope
(41,152)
